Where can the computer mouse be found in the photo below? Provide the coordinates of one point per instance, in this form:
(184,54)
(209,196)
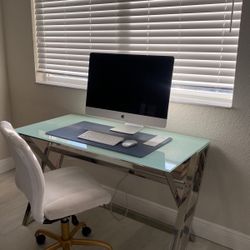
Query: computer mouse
(129,143)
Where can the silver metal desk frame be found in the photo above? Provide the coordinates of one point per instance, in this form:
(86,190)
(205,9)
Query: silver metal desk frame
(185,191)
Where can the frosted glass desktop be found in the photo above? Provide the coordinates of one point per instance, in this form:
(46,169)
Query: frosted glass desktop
(167,158)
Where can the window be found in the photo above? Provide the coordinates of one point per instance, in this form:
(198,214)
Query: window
(202,35)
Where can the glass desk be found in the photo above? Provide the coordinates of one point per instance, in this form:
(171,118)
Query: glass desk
(179,164)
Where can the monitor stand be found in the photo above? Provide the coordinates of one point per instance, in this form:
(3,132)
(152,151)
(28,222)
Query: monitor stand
(127,128)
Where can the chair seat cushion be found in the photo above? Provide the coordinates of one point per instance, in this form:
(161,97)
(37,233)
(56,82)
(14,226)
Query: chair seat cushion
(69,191)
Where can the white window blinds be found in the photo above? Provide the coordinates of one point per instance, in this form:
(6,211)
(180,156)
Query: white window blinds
(202,35)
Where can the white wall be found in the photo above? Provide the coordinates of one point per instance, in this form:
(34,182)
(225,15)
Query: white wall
(4,94)
(225,194)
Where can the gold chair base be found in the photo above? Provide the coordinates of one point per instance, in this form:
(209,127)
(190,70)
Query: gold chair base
(66,240)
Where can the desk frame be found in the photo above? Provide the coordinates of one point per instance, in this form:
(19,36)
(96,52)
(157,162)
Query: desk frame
(185,191)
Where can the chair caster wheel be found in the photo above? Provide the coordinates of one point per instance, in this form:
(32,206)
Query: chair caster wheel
(86,231)
(74,220)
(40,239)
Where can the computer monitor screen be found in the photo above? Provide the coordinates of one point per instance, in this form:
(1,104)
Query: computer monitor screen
(133,88)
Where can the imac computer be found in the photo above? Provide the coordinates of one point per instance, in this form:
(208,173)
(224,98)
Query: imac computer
(131,88)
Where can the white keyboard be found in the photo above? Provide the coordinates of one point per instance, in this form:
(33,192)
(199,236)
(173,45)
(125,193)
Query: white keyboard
(107,139)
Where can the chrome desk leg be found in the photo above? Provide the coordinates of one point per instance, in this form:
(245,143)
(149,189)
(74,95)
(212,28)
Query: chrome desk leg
(188,203)
(47,150)
(42,155)
(27,216)
(60,162)
(45,159)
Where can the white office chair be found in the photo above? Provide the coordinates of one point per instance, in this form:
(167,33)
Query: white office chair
(55,195)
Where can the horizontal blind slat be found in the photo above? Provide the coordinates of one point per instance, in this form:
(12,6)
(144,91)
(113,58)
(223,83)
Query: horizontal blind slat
(134,6)
(46,3)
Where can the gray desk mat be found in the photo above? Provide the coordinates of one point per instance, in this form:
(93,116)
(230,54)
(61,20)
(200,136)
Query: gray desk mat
(139,150)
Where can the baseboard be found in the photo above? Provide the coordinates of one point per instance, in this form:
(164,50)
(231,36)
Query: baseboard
(6,165)
(202,228)
(221,235)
